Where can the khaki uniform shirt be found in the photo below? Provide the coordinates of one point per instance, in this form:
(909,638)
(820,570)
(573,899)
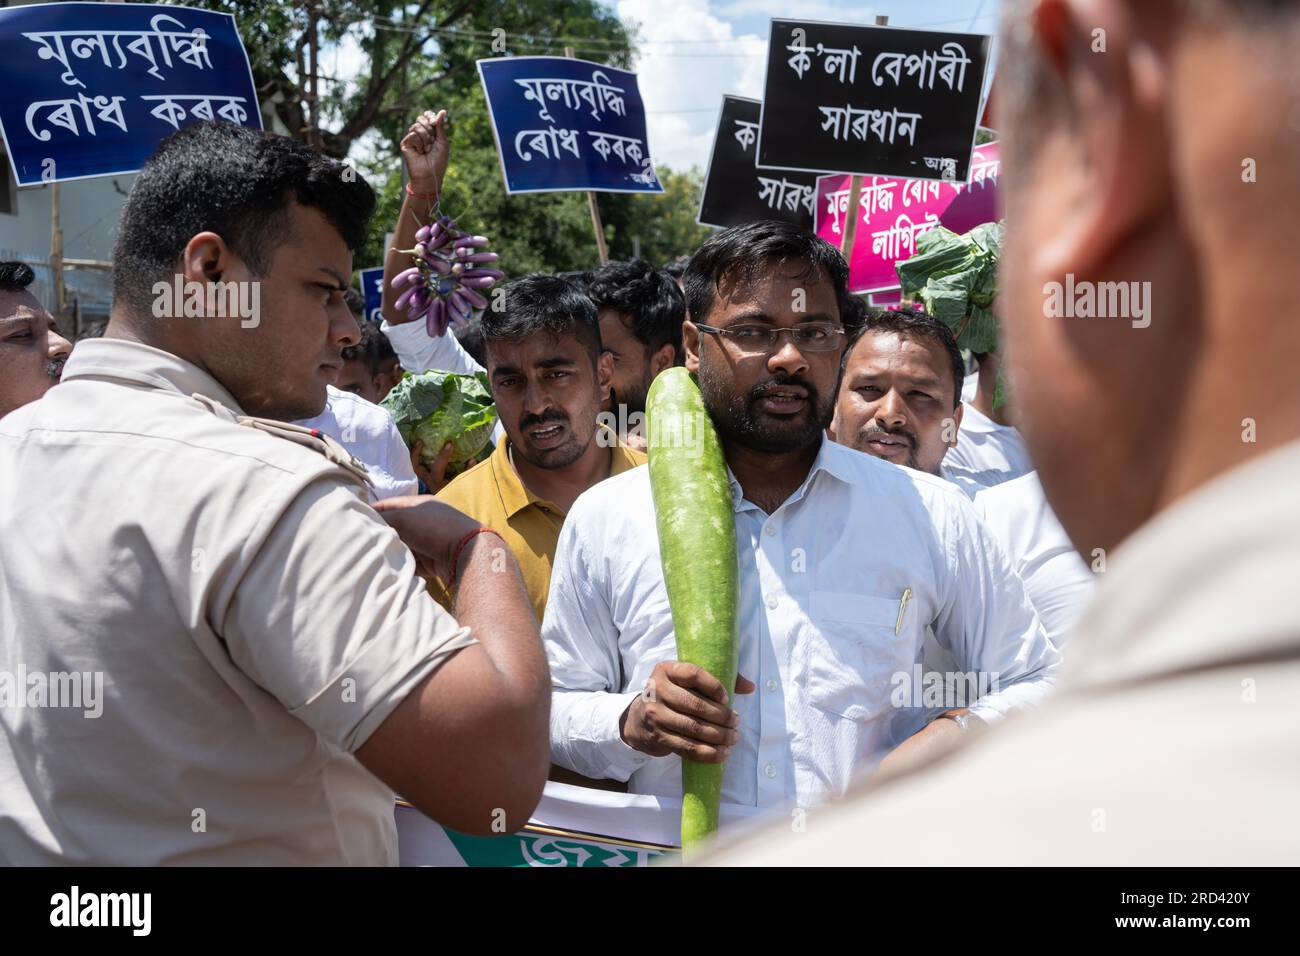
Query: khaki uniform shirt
(249,619)
(492,494)
(1172,740)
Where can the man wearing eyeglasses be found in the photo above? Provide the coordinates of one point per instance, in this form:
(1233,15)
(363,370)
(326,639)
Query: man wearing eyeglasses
(845,560)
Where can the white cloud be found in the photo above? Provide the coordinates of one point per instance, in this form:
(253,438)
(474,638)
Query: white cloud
(688,58)
(804,10)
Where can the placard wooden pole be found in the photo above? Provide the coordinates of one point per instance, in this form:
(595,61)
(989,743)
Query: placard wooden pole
(591,204)
(597,227)
(851,222)
(56,255)
(855,194)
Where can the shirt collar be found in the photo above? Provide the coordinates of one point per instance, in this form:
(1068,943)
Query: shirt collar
(121,360)
(514,496)
(831,459)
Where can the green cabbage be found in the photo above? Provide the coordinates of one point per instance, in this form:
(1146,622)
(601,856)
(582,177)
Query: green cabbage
(956,277)
(439,407)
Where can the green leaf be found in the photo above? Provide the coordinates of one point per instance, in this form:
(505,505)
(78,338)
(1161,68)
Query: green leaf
(438,407)
(956,279)
(981,333)
(939,253)
(946,298)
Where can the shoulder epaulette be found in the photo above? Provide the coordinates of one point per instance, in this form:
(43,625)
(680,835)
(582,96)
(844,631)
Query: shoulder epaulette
(312,438)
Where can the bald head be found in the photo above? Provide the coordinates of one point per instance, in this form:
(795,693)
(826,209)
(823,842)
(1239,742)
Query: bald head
(1151,169)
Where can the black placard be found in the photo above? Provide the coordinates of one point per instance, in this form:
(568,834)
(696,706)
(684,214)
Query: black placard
(735,190)
(871,100)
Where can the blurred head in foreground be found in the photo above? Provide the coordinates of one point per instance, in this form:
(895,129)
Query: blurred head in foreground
(1151,177)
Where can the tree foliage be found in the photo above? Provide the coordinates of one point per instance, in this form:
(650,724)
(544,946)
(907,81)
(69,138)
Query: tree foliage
(421,55)
(409,50)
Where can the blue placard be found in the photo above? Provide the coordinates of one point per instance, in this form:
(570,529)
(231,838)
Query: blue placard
(372,290)
(564,124)
(92,88)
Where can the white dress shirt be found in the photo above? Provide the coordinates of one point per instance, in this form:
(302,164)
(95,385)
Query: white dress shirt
(986,452)
(418,351)
(969,486)
(970,386)
(368,432)
(1057,580)
(821,582)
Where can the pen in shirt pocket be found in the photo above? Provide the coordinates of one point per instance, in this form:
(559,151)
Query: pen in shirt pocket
(902,609)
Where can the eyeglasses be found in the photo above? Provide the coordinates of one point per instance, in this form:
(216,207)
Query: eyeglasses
(760,339)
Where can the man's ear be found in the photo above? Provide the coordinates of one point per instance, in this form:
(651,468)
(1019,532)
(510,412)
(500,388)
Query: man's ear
(663,358)
(691,346)
(1116,85)
(206,258)
(604,374)
(385,381)
(956,421)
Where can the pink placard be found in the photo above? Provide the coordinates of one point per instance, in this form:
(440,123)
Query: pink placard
(892,213)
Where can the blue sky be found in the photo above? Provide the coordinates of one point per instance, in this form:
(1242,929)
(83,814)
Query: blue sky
(694,51)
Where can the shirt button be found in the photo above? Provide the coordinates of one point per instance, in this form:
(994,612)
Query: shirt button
(769,530)
(770,770)
(771,602)
(770,685)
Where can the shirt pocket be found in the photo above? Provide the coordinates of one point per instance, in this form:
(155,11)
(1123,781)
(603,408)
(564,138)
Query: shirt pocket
(855,652)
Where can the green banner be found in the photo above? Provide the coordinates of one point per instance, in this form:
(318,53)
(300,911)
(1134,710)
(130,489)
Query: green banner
(532,848)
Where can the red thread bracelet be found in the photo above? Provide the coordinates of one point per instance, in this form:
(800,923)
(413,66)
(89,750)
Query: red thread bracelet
(414,195)
(455,558)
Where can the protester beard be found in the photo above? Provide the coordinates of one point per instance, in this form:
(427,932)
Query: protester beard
(738,418)
(54,368)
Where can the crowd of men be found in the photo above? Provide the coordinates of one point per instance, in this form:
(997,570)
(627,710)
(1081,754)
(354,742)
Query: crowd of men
(293,618)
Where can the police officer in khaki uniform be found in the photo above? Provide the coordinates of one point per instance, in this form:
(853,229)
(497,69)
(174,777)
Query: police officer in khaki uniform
(214,651)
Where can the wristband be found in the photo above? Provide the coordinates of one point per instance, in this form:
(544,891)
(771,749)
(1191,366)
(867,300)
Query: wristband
(414,195)
(455,557)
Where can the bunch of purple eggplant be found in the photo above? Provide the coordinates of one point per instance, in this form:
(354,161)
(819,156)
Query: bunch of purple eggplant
(449,277)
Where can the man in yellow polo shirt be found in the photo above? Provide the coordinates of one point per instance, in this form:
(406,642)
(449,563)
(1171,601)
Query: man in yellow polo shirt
(549,378)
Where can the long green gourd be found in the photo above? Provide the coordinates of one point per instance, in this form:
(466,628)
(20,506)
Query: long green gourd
(697,545)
